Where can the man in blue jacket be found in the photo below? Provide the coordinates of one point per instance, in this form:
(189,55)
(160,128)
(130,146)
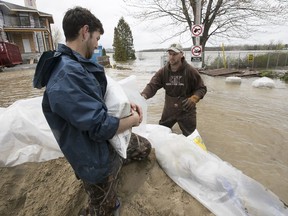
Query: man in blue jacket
(73,104)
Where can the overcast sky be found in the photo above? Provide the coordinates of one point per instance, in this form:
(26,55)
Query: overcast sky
(110,11)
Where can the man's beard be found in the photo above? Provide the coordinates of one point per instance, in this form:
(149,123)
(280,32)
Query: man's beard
(89,51)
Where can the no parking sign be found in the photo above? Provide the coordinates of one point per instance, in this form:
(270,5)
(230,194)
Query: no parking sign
(196,51)
(197,30)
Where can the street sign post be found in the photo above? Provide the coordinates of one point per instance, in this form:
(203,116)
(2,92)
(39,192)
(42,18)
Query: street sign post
(197,31)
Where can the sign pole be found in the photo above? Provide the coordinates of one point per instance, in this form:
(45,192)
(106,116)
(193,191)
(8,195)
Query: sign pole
(198,19)
(197,64)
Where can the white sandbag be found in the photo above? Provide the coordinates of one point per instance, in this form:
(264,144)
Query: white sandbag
(263,82)
(117,98)
(233,80)
(223,189)
(119,106)
(130,87)
(150,129)
(25,135)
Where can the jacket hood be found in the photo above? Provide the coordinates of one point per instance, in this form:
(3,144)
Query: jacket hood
(44,68)
(49,59)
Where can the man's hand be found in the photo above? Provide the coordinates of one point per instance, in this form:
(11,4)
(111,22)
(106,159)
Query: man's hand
(189,103)
(132,120)
(138,110)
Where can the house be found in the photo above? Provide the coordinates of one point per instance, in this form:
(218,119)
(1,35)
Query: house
(26,27)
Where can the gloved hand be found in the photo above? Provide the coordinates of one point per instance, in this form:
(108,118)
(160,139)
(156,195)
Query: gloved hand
(190,102)
(144,95)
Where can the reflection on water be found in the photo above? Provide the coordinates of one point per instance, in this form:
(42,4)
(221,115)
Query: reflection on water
(243,125)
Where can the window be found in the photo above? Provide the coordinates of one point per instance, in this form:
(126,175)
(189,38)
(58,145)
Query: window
(42,22)
(24,19)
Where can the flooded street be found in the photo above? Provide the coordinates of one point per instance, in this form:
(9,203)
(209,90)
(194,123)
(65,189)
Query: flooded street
(243,125)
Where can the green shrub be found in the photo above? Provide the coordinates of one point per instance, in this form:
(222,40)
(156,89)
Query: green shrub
(284,77)
(268,73)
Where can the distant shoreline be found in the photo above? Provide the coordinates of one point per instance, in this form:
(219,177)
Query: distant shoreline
(271,47)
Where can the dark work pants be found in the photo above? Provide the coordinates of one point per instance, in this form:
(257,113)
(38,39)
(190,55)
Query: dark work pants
(174,113)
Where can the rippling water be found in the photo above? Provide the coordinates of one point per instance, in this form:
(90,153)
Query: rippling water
(243,125)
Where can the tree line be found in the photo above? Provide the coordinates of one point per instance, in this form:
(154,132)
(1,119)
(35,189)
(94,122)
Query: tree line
(232,47)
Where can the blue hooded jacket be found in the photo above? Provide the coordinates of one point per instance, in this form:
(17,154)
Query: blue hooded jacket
(74,108)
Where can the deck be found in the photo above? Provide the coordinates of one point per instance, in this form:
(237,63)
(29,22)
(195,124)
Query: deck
(230,72)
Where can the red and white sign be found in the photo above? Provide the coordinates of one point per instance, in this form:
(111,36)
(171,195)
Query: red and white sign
(196,51)
(197,30)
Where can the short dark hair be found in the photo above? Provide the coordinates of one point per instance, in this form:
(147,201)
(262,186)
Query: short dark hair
(76,18)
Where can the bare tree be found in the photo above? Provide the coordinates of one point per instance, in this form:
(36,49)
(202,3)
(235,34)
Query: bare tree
(221,18)
(57,36)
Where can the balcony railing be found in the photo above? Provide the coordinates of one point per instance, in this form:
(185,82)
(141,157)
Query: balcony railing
(32,28)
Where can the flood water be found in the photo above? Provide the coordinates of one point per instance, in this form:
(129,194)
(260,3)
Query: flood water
(243,125)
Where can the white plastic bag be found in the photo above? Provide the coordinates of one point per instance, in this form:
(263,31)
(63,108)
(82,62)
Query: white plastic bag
(119,106)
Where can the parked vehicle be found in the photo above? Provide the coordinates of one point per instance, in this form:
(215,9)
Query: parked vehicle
(9,55)
(98,57)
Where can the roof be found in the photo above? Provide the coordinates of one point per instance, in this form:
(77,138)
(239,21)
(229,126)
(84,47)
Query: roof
(10,8)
